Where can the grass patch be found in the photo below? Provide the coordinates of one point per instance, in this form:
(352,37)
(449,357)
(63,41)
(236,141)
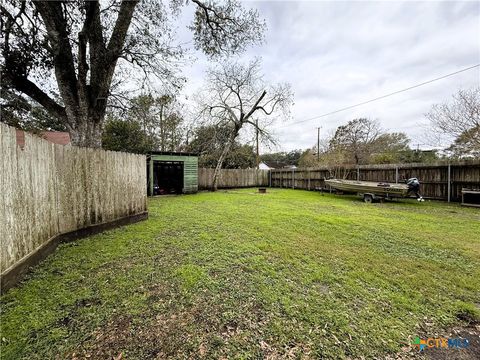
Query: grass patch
(241,275)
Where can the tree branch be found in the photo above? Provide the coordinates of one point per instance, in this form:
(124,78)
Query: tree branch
(255,106)
(93,30)
(56,25)
(32,90)
(117,40)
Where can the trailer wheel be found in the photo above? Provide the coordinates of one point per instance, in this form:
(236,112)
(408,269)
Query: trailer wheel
(368,198)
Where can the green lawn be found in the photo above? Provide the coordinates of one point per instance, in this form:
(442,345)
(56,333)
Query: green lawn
(242,275)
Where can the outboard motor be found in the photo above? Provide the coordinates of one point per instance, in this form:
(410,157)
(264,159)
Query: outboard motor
(414,187)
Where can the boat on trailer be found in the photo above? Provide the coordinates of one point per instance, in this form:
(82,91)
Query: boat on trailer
(370,190)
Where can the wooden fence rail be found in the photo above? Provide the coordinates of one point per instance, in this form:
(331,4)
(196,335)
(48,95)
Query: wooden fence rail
(441,181)
(233,178)
(49,189)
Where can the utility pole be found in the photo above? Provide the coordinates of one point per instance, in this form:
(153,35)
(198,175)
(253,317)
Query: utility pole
(258,153)
(318,143)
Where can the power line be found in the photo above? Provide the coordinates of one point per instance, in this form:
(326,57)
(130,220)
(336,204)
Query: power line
(382,97)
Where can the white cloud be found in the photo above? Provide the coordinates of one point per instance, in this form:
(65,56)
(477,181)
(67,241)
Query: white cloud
(336,54)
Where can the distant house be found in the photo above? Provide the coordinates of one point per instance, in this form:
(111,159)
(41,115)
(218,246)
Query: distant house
(263,166)
(56,137)
(269,165)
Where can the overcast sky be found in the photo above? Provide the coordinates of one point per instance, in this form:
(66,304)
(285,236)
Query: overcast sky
(336,54)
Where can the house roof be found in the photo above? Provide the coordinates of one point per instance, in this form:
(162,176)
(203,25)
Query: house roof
(56,137)
(263,166)
(278,164)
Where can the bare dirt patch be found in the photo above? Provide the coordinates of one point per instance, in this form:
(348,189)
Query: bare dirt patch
(472,352)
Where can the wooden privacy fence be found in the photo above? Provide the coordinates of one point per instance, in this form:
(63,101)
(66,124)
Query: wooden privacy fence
(233,178)
(441,181)
(48,189)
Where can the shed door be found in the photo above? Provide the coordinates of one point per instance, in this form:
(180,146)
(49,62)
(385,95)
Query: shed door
(167,177)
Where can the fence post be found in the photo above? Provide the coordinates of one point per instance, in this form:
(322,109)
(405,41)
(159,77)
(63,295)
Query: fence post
(396,174)
(269,178)
(293,179)
(150,176)
(309,176)
(358,173)
(448,183)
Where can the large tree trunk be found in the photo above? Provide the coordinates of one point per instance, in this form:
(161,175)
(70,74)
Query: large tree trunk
(86,133)
(84,97)
(85,123)
(224,154)
(225,151)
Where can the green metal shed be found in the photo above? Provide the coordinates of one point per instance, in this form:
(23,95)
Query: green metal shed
(172,173)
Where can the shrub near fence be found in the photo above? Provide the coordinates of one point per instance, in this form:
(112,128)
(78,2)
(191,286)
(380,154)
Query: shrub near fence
(48,189)
(438,180)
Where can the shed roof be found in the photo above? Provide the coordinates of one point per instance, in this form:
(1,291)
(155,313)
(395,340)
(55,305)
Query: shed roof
(173,153)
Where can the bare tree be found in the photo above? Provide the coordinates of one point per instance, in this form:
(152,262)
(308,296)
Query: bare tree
(84,44)
(237,94)
(459,119)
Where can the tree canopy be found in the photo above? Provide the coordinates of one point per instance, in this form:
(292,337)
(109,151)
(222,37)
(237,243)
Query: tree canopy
(71,57)
(283,157)
(355,140)
(160,119)
(362,141)
(126,136)
(459,119)
(209,142)
(23,114)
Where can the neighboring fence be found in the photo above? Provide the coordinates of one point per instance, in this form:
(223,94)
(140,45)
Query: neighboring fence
(438,180)
(441,181)
(49,189)
(233,178)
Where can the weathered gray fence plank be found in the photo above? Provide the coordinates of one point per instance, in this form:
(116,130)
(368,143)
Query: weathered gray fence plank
(434,177)
(49,189)
(233,178)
